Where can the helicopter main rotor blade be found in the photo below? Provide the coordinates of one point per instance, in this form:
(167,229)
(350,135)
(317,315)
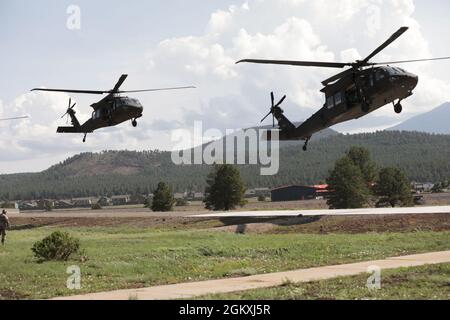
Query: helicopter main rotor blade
(71,91)
(409,61)
(392,38)
(160,89)
(119,83)
(299,63)
(14,118)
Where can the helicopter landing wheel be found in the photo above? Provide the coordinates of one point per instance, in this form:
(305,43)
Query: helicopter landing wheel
(305,147)
(134,123)
(398,108)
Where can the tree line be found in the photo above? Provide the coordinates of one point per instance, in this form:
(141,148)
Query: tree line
(423,158)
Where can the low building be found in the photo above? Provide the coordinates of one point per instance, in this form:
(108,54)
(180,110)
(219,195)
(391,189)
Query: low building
(84,202)
(28,205)
(137,199)
(262,192)
(250,193)
(422,187)
(322,191)
(180,195)
(120,200)
(63,204)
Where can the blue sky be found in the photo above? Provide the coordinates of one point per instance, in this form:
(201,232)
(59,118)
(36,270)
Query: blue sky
(175,42)
(39,49)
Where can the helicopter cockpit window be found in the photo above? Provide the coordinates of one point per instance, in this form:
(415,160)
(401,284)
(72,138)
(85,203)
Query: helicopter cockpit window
(136,102)
(96,114)
(379,75)
(371,80)
(338,98)
(394,71)
(330,102)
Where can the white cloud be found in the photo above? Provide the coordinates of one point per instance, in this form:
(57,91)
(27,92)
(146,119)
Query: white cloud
(235,96)
(302,30)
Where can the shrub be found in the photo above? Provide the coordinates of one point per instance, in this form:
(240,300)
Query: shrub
(96,206)
(58,246)
(181,202)
(48,206)
(261,198)
(7,205)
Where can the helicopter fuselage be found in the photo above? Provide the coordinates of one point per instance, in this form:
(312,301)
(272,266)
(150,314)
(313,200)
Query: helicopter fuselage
(108,112)
(355,96)
(113,111)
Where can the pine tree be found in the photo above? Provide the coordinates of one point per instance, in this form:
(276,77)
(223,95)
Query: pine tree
(361,158)
(393,187)
(225,188)
(163,199)
(348,188)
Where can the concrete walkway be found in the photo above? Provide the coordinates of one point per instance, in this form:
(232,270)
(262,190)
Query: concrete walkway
(195,289)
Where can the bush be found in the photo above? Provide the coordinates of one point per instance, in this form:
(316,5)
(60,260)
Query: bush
(261,198)
(96,206)
(48,206)
(181,203)
(7,205)
(58,246)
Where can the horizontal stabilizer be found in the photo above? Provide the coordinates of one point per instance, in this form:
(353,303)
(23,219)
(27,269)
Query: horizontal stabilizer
(68,130)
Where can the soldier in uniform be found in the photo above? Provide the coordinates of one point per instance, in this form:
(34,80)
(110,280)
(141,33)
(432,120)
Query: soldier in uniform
(4,223)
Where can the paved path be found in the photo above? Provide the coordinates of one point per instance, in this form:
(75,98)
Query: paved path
(201,213)
(325,212)
(194,289)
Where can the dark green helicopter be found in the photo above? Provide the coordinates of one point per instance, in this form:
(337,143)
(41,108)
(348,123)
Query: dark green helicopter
(351,94)
(112,110)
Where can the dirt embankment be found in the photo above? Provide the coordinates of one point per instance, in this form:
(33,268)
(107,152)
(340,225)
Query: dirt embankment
(319,225)
(343,224)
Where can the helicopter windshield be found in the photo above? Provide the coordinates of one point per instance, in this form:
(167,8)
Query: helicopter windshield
(394,71)
(130,102)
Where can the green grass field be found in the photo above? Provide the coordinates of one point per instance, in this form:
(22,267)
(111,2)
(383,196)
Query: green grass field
(120,258)
(425,282)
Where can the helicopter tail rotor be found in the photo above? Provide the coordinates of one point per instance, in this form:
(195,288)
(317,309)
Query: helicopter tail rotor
(274,109)
(71,113)
(70,110)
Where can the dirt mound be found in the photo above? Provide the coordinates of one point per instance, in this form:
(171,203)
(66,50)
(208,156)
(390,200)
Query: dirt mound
(342,224)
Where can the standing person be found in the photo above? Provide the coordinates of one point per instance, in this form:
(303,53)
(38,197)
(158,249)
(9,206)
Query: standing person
(4,223)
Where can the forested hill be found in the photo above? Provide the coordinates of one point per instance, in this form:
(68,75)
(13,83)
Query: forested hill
(424,157)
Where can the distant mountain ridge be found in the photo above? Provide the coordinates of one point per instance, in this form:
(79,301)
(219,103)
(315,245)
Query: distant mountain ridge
(435,121)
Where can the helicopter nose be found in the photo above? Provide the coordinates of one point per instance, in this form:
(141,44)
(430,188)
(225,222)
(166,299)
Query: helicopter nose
(413,80)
